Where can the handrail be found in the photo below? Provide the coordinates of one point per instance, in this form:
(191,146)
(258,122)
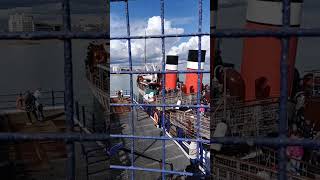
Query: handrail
(237,166)
(303,163)
(42,92)
(48,98)
(186,121)
(125,92)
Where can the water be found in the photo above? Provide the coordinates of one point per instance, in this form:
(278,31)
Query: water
(26,65)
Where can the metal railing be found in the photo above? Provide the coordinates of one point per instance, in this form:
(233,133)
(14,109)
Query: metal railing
(48,98)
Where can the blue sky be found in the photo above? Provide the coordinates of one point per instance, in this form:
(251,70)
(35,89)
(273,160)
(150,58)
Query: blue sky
(181,17)
(183,13)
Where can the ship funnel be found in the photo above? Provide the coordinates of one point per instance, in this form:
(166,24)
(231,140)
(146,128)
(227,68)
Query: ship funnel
(171,65)
(191,80)
(261,56)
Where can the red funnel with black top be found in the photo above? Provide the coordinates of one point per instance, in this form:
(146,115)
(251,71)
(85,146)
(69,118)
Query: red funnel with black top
(171,65)
(191,80)
(261,56)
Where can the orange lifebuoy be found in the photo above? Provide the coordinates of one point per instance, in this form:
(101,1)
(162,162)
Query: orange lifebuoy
(155,118)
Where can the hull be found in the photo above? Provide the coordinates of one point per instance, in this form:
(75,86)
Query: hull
(102,97)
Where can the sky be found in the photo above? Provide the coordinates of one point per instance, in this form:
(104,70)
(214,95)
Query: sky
(180,17)
(51,10)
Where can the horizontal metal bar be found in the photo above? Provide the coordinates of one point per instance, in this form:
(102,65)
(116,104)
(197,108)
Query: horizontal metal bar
(104,137)
(42,93)
(154,170)
(53,35)
(161,105)
(7,101)
(161,72)
(118,0)
(236,33)
(52,136)
(222,33)
(79,137)
(264,141)
(157,138)
(159,36)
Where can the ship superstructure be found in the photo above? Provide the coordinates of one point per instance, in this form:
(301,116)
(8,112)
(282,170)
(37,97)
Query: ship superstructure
(97,72)
(180,122)
(246,103)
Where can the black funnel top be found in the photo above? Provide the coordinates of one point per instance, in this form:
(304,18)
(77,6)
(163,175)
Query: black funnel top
(214,5)
(193,55)
(173,60)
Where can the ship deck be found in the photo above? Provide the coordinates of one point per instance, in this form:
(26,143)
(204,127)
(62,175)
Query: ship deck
(147,153)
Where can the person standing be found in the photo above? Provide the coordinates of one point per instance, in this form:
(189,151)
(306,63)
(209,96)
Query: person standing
(29,101)
(39,106)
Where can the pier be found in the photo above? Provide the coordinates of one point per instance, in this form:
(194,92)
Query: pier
(33,159)
(47,159)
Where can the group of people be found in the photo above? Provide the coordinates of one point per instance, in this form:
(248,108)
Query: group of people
(30,102)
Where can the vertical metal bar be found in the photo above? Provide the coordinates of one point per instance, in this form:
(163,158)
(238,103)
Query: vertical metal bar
(77,111)
(163,89)
(87,166)
(104,126)
(83,116)
(199,159)
(131,85)
(93,123)
(68,83)
(224,94)
(283,125)
(52,97)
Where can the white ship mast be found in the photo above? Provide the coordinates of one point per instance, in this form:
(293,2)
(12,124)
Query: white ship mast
(145,50)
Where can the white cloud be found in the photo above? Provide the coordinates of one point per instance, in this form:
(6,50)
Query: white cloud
(173,46)
(152,27)
(192,43)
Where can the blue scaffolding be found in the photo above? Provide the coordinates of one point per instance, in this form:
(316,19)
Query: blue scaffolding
(163,36)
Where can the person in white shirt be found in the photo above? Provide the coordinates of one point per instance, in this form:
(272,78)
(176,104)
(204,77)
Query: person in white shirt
(39,106)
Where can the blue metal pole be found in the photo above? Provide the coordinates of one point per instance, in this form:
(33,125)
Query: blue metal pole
(163,89)
(199,158)
(68,83)
(283,124)
(131,85)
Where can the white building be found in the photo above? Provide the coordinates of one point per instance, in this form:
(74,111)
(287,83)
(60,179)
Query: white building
(20,22)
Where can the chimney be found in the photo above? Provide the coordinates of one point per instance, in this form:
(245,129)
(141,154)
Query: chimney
(191,80)
(261,56)
(171,65)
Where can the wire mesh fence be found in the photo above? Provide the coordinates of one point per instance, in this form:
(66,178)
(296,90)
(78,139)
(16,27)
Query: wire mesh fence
(70,137)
